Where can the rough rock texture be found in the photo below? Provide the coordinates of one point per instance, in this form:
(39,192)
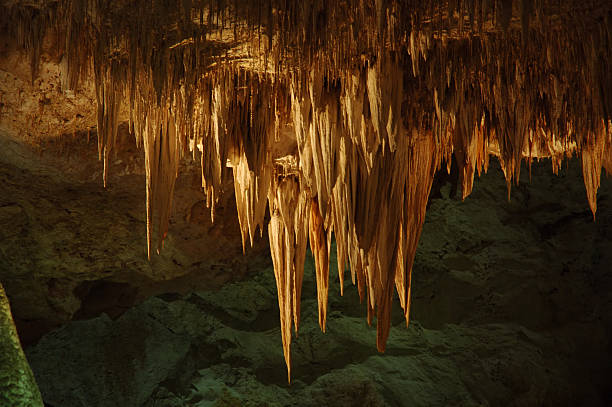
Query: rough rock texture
(71,248)
(512,305)
(17,385)
(371,97)
(126,359)
(39,110)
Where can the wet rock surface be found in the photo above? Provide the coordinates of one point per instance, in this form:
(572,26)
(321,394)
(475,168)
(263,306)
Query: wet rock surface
(512,305)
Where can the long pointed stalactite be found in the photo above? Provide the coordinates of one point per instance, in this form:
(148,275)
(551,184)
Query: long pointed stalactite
(334,115)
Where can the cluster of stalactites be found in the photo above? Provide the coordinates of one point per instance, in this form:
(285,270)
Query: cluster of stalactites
(369,170)
(377,94)
(493,94)
(243,110)
(368,149)
(229,119)
(286,34)
(366,155)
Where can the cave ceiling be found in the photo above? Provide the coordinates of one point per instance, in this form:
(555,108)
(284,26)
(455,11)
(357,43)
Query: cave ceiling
(331,116)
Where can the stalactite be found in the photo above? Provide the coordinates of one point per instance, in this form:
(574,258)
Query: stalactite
(377,94)
(287,232)
(595,154)
(108,97)
(320,251)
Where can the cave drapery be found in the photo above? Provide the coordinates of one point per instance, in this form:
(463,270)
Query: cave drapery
(335,115)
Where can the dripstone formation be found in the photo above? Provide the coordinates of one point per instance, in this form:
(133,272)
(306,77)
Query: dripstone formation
(333,116)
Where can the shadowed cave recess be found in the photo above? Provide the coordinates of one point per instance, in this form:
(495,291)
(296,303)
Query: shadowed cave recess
(176,175)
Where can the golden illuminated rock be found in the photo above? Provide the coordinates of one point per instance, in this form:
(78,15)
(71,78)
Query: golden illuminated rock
(335,115)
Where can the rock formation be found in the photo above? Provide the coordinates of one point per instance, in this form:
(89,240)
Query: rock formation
(17,385)
(333,115)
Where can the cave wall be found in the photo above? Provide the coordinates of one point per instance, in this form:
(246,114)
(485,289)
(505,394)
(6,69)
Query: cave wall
(332,117)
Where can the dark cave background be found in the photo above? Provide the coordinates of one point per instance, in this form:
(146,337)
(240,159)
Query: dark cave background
(511,300)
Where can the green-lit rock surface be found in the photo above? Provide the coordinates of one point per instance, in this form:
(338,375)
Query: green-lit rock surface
(17,385)
(511,306)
